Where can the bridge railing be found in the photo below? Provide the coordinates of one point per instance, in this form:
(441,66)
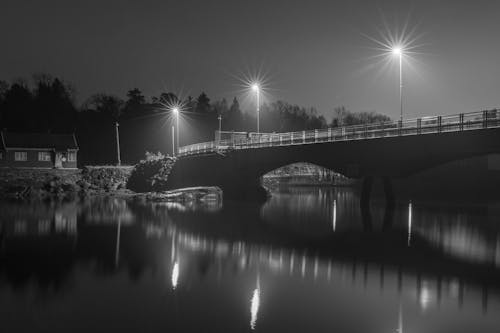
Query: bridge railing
(418,126)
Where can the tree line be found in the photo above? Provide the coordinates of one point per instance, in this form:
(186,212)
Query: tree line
(48,104)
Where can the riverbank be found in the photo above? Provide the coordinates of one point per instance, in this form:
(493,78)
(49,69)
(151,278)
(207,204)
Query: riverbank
(70,184)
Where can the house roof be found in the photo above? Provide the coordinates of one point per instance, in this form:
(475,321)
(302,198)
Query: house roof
(38,140)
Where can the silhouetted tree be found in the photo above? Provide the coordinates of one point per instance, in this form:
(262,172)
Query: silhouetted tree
(53,104)
(343,117)
(234,117)
(203,103)
(220,107)
(108,105)
(166,99)
(18,108)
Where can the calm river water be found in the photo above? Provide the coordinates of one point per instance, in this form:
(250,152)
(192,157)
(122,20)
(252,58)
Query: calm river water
(308,260)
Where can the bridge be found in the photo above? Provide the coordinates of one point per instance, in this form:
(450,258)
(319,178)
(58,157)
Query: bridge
(236,161)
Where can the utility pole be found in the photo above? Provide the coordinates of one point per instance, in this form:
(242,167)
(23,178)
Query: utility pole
(118,143)
(220,126)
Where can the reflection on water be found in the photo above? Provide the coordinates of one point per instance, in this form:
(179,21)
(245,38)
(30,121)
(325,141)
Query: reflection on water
(307,260)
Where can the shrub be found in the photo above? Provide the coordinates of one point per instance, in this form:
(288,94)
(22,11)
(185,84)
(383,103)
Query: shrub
(151,174)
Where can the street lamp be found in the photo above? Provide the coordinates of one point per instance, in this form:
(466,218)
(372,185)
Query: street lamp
(398,52)
(220,126)
(175,110)
(256,89)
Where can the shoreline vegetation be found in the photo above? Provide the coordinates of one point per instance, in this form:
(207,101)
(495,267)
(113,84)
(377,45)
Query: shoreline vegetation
(91,181)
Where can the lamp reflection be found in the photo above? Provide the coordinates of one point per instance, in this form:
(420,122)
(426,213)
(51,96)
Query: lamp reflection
(334,215)
(409,223)
(175,275)
(254,305)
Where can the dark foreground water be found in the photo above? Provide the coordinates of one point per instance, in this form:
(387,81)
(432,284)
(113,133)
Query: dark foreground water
(307,261)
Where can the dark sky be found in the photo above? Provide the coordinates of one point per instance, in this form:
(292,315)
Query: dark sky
(314,52)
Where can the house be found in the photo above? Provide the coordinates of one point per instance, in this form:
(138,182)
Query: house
(38,150)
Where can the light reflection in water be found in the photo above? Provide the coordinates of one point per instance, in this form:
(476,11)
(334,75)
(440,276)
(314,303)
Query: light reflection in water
(175,274)
(334,215)
(400,319)
(254,305)
(426,297)
(455,236)
(409,223)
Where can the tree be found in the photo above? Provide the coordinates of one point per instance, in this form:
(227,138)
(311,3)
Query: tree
(203,103)
(234,116)
(220,107)
(135,104)
(53,103)
(4,88)
(18,111)
(107,105)
(135,98)
(166,99)
(344,117)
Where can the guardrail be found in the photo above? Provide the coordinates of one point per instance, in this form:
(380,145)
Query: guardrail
(418,126)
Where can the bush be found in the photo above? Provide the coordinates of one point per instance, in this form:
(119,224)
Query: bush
(151,174)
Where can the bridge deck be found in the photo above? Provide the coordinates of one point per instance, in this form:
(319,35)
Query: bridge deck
(420,126)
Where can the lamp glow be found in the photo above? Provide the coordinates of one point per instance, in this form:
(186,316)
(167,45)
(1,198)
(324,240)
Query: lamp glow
(256,88)
(397,50)
(175,144)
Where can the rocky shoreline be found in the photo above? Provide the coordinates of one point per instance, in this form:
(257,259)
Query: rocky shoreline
(58,184)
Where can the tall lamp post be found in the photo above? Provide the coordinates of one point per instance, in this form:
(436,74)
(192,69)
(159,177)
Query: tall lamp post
(398,52)
(220,126)
(175,110)
(256,88)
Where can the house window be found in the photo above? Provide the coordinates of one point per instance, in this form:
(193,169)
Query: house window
(20,156)
(44,156)
(72,156)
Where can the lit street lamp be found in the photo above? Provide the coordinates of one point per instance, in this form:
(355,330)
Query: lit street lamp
(398,51)
(256,88)
(175,110)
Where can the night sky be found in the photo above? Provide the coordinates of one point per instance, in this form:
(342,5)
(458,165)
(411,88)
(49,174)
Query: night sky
(314,53)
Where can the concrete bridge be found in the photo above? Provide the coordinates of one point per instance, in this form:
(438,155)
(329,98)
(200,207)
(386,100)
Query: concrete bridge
(236,161)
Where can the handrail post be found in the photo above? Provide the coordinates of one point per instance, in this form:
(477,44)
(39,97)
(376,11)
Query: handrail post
(419,126)
(329,134)
(281,139)
(485,119)
(303,136)
(400,126)
(461,121)
(440,124)
(315,135)
(366,131)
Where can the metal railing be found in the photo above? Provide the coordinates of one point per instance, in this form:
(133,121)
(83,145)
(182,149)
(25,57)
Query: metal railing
(418,126)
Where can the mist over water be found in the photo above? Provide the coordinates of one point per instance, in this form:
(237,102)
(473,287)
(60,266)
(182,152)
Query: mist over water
(308,260)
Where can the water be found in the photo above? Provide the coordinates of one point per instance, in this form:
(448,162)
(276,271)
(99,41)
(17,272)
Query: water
(306,261)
